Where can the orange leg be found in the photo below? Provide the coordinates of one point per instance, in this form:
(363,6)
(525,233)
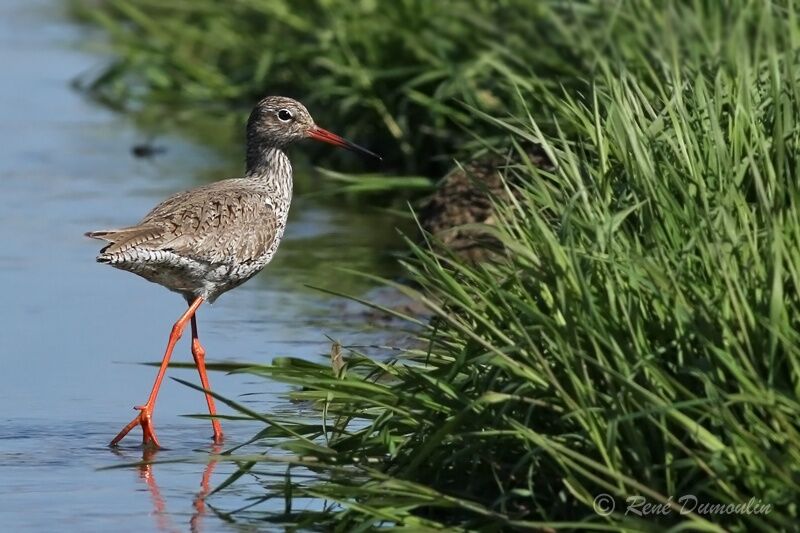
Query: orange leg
(199,354)
(144,418)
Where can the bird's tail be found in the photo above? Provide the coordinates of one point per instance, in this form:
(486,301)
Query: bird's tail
(120,240)
(105,235)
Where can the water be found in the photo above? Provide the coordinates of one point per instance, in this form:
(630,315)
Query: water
(72,331)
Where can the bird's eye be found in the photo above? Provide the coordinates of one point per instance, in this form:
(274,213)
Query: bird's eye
(285,115)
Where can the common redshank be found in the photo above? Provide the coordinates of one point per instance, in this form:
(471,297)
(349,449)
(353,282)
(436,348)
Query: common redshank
(205,241)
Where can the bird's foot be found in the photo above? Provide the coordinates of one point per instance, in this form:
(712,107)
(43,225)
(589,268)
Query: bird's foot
(218,437)
(144,419)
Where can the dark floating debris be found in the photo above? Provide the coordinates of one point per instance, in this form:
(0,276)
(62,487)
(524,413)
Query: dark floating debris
(147,149)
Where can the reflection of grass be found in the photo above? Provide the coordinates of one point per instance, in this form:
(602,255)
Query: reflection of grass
(640,336)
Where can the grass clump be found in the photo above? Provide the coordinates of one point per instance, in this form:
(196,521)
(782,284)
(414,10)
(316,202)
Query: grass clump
(637,339)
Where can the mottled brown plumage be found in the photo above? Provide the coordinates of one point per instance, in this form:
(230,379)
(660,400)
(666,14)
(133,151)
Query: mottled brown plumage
(202,242)
(205,241)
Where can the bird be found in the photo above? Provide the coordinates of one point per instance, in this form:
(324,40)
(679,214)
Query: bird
(205,241)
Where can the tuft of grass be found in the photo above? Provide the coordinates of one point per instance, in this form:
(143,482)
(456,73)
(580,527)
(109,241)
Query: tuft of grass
(637,339)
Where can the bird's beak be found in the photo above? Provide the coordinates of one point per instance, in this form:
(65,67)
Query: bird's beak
(319,134)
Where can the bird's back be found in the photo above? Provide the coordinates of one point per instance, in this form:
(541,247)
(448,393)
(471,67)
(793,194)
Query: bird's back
(203,241)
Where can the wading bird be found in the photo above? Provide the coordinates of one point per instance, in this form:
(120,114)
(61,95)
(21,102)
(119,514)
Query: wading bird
(205,241)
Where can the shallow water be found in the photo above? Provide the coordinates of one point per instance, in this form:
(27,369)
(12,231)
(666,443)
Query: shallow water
(72,331)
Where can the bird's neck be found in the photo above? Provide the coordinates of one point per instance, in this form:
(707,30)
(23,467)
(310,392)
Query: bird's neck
(271,166)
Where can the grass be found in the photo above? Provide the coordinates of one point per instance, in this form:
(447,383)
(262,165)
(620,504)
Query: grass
(638,338)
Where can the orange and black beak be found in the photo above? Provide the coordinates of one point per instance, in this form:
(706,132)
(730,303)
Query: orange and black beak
(320,134)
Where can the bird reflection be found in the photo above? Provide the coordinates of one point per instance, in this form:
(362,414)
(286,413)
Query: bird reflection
(163,521)
(196,522)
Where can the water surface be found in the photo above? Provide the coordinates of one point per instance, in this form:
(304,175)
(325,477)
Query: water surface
(72,332)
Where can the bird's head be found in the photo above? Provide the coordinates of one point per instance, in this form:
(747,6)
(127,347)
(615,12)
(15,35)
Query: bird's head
(279,121)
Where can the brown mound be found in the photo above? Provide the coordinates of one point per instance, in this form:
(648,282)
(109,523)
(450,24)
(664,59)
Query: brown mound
(464,197)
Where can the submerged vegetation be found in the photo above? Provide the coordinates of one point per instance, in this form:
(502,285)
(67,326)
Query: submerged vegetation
(638,335)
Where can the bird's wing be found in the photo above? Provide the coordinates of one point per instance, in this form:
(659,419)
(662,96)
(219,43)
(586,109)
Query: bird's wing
(210,224)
